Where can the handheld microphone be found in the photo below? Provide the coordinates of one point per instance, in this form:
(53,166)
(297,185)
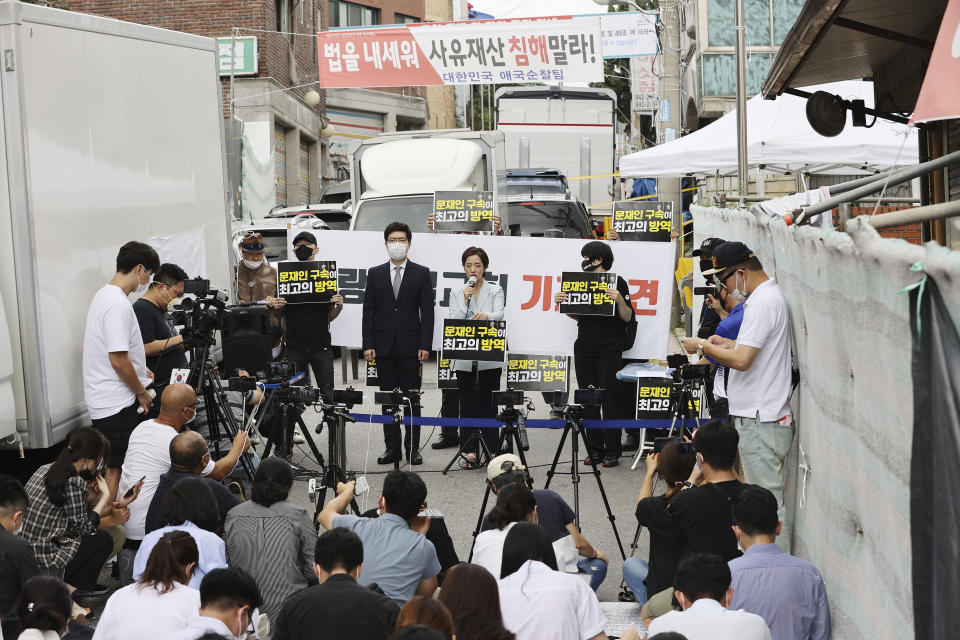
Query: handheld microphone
(472,281)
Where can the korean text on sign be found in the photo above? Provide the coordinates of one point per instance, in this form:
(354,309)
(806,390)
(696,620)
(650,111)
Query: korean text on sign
(300,282)
(537,372)
(643,220)
(463,211)
(482,340)
(587,293)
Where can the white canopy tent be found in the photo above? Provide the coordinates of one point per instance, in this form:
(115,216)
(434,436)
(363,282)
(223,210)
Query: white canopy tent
(780,138)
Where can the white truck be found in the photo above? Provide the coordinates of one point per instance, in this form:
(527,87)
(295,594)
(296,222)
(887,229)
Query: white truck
(109,132)
(570,129)
(394,175)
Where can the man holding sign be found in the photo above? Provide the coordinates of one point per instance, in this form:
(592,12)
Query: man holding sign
(598,351)
(308,324)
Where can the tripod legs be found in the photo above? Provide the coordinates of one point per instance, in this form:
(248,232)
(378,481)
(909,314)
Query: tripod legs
(484,455)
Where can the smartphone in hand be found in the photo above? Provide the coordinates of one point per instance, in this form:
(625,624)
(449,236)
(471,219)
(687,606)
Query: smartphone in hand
(129,492)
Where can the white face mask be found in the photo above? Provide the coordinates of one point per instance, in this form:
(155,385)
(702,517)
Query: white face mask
(192,418)
(142,287)
(397,250)
(735,294)
(252,264)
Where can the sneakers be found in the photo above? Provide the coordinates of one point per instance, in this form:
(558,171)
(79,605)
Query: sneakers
(298,438)
(610,462)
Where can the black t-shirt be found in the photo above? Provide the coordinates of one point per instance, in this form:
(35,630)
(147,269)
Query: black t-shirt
(701,521)
(308,325)
(337,609)
(664,547)
(553,514)
(598,335)
(709,319)
(225,499)
(17,565)
(155,325)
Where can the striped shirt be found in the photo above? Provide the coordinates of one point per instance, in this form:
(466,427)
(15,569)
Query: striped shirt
(275,545)
(54,531)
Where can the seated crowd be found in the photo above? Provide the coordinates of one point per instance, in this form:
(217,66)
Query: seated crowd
(198,562)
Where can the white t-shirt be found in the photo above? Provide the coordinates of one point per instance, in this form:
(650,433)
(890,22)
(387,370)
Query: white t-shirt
(141,612)
(764,388)
(707,619)
(488,549)
(148,457)
(111,327)
(538,602)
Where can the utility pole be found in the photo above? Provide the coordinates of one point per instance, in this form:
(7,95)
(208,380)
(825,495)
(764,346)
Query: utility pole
(741,55)
(668,118)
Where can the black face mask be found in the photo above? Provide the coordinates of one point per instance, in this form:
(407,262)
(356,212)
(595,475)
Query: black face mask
(587,265)
(87,475)
(303,252)
(706,265)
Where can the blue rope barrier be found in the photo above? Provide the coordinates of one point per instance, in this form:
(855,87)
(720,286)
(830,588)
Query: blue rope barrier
(490,423)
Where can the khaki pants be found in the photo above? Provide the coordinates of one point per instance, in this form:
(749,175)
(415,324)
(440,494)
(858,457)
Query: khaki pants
(763,450)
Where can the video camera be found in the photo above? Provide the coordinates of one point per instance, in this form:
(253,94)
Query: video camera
(347,397)
(709,290)
(203,314)
(510,398)
(680,368)
(510,415)
(396,398)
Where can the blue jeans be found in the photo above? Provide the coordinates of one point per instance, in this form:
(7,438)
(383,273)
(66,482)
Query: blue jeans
(597,569)
(635,571)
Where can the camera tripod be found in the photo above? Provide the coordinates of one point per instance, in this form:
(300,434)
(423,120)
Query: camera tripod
(335,418)
(575,429)
(510,433)
(683,407)
(290,417)
(205,379)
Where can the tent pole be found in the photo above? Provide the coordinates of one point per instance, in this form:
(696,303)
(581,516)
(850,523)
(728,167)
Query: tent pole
(741,99)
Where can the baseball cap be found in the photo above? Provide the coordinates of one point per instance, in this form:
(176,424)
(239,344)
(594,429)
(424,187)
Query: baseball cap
(305,235)
(729,254)
(707,247)
(503,463)
(252,241)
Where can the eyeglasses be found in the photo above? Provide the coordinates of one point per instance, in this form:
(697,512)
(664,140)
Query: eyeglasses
(396,241)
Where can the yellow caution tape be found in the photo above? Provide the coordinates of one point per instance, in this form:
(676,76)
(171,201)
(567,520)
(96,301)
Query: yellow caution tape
(605,175)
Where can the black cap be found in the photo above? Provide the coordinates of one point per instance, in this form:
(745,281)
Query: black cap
(707,247)
(305,235)
(729,254)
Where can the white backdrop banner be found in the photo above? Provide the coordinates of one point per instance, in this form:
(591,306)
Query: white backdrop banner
(528,270)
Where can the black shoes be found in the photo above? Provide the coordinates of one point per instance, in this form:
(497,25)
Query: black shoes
(389,456)
(445,443)
(416,460)
(632,443)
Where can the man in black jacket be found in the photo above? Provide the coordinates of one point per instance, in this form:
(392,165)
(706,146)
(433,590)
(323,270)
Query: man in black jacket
(398,331)
(338,607)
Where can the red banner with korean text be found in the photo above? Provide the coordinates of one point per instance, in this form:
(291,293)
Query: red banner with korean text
(557,49)
(527,269)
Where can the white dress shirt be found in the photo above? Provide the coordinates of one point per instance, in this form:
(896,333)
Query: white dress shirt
(707,619)
(488,549)
(140,612)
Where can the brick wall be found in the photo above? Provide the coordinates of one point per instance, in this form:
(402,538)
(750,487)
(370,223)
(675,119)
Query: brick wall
(218,18)
(909,232)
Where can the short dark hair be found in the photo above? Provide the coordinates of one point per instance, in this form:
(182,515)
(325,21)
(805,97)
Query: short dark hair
(404,492)
(13,497)
(134,253)
(703,575)
(596,249)
(338,548)
(717,442)
(526,541)
(229,588)
(398,226)
(169,274)
(755,511)
(44,604)
(663,635)
(272,481)
(417,632)
(186,450)
(753,264)
(476,251)
(513,476)
(190,499)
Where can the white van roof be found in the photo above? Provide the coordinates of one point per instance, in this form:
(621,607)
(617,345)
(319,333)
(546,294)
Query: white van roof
(419,166)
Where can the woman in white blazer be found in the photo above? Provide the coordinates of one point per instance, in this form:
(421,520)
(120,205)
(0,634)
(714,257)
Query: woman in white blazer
(476,380)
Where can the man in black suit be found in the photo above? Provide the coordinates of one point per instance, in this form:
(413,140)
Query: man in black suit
(398,331)
(338,607)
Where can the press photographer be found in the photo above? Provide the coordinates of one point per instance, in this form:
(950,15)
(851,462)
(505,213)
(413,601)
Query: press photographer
(709,316)
(308,326)
(161,341)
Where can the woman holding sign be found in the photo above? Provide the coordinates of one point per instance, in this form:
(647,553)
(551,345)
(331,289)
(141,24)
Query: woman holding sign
(598,353)
(476,300)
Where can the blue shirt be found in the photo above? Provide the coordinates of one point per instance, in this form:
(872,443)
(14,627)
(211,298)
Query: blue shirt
(729,327)
(785,591)
(211,548)
(395,558)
